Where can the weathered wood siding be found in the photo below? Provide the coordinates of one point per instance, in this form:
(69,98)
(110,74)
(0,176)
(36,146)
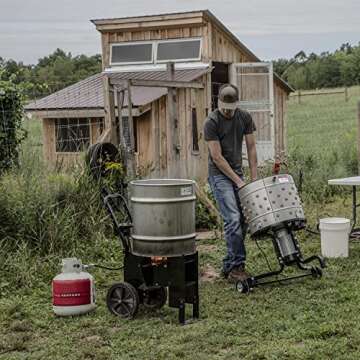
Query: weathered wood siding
(62,159)
(193,164)
(112,37)
(224,49)
(145,143)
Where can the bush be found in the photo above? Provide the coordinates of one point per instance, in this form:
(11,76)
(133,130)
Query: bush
(11,132)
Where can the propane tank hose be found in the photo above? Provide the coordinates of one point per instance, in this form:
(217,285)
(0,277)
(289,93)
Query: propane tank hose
(102,267)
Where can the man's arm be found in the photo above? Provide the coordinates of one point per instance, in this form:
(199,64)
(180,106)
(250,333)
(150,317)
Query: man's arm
(252,157)
(222,164)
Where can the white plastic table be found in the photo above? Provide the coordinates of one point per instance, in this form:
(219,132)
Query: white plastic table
(353,181)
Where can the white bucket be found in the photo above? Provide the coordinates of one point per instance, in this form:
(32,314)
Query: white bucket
(335,237)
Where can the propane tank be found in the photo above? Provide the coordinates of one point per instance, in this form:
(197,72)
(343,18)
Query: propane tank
(73,290)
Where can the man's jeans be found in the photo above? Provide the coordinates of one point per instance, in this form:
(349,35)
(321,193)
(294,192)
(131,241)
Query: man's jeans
(227,198)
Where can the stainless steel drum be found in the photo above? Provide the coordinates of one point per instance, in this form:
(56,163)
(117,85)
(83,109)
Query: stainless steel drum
(163,217)
(270,202)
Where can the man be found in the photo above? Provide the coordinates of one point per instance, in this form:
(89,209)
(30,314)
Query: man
(224,131)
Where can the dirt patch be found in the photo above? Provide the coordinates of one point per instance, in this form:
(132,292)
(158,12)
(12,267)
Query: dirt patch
(95,340)
(206,248)
(205,235)
(208,274)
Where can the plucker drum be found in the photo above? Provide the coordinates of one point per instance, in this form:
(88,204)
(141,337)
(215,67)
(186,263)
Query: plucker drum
(273,209)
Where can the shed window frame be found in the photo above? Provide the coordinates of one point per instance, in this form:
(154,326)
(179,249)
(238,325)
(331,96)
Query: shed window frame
(154,51)
(127,43)
(82,147)
(178,40)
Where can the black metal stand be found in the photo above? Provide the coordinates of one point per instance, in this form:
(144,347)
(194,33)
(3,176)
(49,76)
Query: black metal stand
(293,259)
(178,274)
(355,232)
(254,281)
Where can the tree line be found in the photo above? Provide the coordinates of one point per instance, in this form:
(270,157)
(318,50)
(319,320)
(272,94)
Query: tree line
(61,69)
(329,69)
(51,73)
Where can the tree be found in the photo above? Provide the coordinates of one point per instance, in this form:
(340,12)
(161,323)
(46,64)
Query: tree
(340,68)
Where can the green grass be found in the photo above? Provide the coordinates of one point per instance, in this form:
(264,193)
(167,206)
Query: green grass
(322,122)
(322,141)
(308,319)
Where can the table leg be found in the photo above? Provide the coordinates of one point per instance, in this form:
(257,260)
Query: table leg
(354,206)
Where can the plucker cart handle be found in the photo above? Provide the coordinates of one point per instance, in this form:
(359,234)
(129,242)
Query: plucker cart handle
(117,202)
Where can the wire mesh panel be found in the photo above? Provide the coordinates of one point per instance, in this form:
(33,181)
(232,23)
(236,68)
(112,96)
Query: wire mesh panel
(256,95)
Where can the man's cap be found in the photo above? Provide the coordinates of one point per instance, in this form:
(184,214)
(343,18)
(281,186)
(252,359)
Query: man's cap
(228,97)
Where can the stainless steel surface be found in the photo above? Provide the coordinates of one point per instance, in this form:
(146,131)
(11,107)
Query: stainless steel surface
(163,217)
(270,202)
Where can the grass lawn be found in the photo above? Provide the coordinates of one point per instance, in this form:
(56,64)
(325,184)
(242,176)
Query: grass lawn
(322,123)
(307,319)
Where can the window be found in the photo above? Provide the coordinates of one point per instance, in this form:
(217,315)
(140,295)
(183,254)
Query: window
(166,50)
(178,50)
(72,135)
(195,135)
(133,53)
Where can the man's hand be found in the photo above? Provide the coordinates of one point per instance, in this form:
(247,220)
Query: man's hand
(240,184)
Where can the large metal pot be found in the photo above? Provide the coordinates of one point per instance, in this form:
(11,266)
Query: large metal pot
(270,202)
(163,217)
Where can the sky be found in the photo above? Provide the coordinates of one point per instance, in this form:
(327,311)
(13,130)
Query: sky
(272,29)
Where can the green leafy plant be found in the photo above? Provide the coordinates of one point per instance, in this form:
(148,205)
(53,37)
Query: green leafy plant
(11,131)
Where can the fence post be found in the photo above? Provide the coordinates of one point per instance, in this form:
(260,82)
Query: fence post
(358,142)
(299,97)
(346,94)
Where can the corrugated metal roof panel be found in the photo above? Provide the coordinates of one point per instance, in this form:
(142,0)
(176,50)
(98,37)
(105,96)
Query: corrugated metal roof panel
(89,93)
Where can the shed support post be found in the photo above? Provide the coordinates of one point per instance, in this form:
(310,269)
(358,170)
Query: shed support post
(174,125)
(120,96)
(131,148)
(110,117)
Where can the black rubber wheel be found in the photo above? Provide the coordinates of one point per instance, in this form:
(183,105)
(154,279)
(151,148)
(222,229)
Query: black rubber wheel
(154,297)
(98,155)
(243,286)
(123,300)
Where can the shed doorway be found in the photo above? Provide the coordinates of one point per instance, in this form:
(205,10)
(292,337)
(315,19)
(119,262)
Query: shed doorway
(219,77)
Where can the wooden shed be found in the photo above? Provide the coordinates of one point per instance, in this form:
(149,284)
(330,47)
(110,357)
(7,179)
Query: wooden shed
(168,103)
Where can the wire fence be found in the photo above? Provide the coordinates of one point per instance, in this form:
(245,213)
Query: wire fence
(321,130)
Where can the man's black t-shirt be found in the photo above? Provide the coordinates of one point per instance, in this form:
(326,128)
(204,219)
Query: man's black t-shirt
(230,134)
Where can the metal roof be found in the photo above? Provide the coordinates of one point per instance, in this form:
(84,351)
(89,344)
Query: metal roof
(89,93)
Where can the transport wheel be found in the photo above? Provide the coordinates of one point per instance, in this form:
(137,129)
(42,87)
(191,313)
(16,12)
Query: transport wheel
(154,297)
(243,286)
(123,300)
(98,155)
